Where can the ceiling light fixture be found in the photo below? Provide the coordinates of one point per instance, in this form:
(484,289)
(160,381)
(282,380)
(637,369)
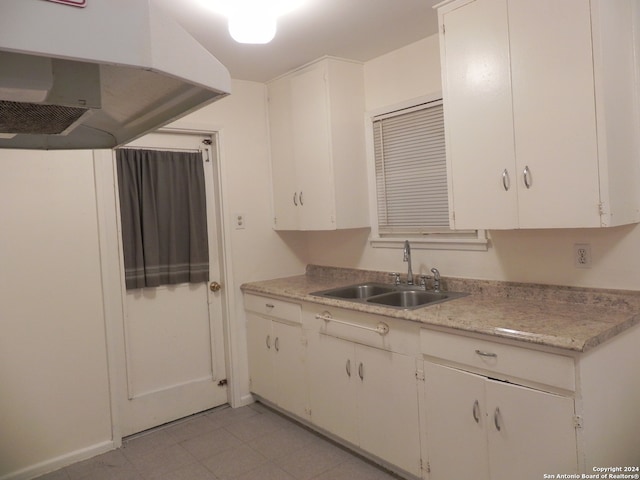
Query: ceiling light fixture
(254,21)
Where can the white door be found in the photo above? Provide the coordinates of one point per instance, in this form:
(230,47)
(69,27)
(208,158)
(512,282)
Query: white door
(479,116)
(173,334)
(332,386)
(389,395)
(530,432)
(456,423)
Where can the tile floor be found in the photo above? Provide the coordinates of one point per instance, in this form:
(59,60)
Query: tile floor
(248,443)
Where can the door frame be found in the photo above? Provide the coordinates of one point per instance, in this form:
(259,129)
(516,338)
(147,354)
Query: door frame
(112,282)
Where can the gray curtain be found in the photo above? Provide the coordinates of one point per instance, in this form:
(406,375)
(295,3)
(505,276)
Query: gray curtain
(164,217)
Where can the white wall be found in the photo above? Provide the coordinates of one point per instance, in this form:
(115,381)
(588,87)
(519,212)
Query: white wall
(54,390)
(54,387)
(257,251)
(538,256)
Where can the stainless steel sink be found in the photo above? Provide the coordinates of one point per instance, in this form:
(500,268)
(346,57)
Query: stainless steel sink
(359,291)
(407,299)
(394,296)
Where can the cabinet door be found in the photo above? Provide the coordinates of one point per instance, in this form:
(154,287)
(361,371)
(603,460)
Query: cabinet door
(479,116)
(289,368)
(554,113)
(332,375)
(259,345)
(387,401)
(283,166)
(455,424)
(530,432)
(312,148)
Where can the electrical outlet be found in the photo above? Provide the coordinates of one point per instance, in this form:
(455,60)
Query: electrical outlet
(582,255)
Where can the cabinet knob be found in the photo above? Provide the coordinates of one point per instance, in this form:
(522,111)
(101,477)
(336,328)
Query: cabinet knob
(268,342)
(276,344)
(348,367)
(295,198)
(361,371)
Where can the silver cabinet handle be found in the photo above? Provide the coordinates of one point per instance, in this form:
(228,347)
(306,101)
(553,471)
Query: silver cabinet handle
(496,418)
(269,305)
(348,367)
(528,181)
(476,411)
(276,344)
(300,197)
(482,353)
(361,371)
(295,198)
(506,181)
(268,342)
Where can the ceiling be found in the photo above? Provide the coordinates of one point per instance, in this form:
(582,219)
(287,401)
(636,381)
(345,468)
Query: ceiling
(354,29)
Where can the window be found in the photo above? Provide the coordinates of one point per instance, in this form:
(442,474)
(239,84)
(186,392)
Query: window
(411,189)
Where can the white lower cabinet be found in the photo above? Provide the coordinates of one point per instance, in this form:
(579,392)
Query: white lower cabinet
(368,397)
(444,405)
(277,352)
(482,428)
(497,411)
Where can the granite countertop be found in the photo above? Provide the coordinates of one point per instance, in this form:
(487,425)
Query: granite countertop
(568,318)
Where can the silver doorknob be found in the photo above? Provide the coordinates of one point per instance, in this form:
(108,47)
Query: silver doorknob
(215,286)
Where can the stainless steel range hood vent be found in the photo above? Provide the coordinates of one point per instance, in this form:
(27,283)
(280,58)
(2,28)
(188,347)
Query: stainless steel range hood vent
(99,76)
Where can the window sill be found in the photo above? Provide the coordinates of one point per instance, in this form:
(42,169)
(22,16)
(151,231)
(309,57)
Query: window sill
(472,242)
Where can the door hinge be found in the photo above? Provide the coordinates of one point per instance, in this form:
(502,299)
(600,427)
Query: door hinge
(420,375)
(577,421)
(443,29)
(425,468)
(601,209)
(222,382)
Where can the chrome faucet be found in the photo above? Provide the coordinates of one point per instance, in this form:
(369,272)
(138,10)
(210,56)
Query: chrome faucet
(436,279)
(407,258)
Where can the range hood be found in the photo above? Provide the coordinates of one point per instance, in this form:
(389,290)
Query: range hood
(97,73)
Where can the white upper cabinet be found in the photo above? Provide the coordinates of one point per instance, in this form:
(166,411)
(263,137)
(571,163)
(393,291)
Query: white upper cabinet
(316,119)
(541,112)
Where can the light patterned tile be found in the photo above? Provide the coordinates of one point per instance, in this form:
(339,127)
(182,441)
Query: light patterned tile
(194,471)
(255,426)
(268,471)
(221,417)
(57,475)
(355,469)
(147,443)
(283,441)
(211,443)
(235,462)
(315,458)
(193,427)
(162,461)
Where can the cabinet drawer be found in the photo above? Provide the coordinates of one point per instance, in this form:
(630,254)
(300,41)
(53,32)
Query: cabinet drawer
(272,307)
(540,367)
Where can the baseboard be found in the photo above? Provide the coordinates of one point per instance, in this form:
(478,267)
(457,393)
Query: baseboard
(53,464)
(245,400)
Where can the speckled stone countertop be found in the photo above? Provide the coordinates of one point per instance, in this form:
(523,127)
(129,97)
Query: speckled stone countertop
(568,318)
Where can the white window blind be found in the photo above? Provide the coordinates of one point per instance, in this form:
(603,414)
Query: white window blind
(410,169)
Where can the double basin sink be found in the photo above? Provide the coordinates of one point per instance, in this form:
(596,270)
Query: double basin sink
(404,297)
